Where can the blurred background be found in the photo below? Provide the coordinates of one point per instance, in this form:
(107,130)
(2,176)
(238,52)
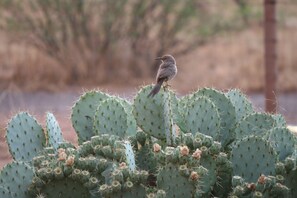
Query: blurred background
(53,50)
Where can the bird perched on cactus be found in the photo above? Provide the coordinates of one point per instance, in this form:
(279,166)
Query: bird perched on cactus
(167,70)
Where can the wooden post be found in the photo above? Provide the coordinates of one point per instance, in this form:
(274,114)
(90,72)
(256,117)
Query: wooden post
(270,55)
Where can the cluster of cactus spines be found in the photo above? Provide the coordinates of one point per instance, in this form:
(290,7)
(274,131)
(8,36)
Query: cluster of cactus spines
(83,113)
(283,141)
(199,154)
(66,174)
(150,112)
(242,105)
(254,124)
(54,132)
(112,117)
(15,178)
(125,183)
(196,158)
(264,186)
(202,116)
(226,111)
(25,137)
(288,169)
(253,156)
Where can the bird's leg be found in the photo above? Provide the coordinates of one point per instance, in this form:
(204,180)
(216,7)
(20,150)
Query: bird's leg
(166,86)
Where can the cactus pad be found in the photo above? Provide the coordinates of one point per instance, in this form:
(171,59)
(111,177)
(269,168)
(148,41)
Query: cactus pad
(226,111)
(150,112)
(283,141)
(173,183)
(111,117)
(254,124)
(16,177)
(130,158)
(53,131)
(279,120)
(25,137)
(251,157)
(4,192)
(243,106)
(202,116)
(83,113)
(65,188)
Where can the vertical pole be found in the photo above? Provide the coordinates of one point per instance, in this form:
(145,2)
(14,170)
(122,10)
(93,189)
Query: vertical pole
(270,55)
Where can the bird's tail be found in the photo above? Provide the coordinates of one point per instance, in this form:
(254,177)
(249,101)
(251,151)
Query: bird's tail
(156,89)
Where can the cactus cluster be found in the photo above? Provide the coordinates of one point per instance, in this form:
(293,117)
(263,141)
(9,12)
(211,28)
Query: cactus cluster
(205,144)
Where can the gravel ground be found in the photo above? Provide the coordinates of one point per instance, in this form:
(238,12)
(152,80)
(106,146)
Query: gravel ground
(60,104)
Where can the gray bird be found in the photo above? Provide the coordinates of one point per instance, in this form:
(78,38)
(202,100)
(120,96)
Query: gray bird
(167,70)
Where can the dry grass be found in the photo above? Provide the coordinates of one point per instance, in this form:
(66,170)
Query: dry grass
(230,60)
(236,60)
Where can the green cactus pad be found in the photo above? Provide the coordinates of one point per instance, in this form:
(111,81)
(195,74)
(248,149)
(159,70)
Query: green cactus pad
(132,126)
(251,157)
(111,117)
(279,120)
(130,158)
(254,124)
(202,116)
(53,131)
(145,159)
(25,137)
(173,183)
(150,112)
(4,192)
(291,181)
(283,141)
(182,106)
(83,113)
(16,177)
(133,191)
(226,111)
(243,106)
(66,188)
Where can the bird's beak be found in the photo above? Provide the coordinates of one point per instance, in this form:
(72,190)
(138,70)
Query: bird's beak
(158,58)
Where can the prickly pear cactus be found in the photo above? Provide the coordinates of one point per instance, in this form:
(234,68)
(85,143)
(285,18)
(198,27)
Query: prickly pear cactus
(226,111)
(143,148)
(125,184)
(254,124)
(283,141)
(4,192)
(242,105)
(152,114)
(15,179)
(113,160)
(83,113)
(179,181)
(253,156)
(279,120)
(112,117)
(202,116)
(265,186)
(53,131)
(25,137)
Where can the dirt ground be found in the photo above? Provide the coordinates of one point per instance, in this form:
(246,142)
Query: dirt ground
(38,103)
